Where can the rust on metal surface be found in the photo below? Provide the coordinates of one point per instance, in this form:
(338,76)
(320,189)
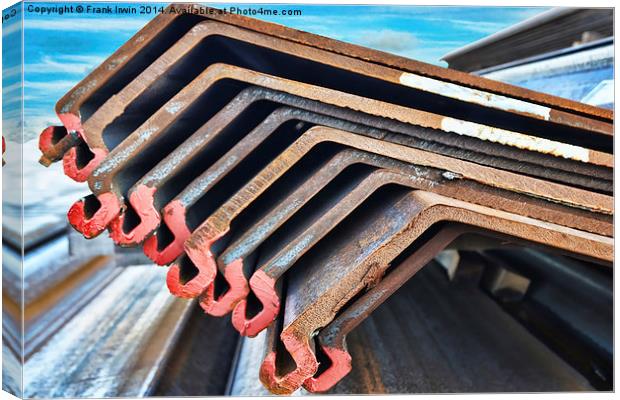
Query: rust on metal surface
(315,295)
(199,246)
(101,178)
(153,28)
(106,72)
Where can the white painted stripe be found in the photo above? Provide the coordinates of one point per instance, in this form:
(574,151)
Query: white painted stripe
(514,139)
(473,95)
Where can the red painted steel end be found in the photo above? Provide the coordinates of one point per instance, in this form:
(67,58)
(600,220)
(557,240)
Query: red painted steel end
(72,122)
(174,218)
(108,209)
(143,202)
(46,139)
(200,254)
(305,361)
(263,287)
(238,291)
(73,171)
(339,368)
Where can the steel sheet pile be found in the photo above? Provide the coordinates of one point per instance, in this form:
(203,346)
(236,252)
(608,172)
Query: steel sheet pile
(294,182)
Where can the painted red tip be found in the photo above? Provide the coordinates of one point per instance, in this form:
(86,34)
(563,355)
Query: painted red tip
(267,374)
(143,202)
(174,218)
(263,287)
(305,361)
(46,139)
(339,368)
(90,227)
(238,290)
(72,122)
(200,254)
(71,169)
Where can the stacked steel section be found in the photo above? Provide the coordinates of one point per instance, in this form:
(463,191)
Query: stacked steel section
(281,174)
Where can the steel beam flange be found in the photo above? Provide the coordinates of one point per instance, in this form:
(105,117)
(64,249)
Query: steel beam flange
(198,247)
(319,289)
(176,210)
(151,34)
(194,37)
(100,180)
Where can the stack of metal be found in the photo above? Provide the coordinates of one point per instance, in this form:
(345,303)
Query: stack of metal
(296,182)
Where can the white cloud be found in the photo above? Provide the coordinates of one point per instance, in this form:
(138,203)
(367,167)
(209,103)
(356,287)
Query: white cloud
(10,71)
(10,28)
(10,90)
(477,26)
(65,64)
(389,40)
(64,85)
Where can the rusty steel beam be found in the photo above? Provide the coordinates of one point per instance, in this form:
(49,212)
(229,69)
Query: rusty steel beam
(167,28)
(332,338)
(108,204)
(292,244)
(399,80)
(145,189)
(80,103)
(143,194)
(355,258)
(176,209)
(217,225)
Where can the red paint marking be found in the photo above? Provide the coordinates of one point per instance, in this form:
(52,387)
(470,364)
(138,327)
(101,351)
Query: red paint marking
(305,361)
(267,372)
(71,169)
(142,202)
(91,227)
(239,289)
(339,368)
(45,139)
(72,122)
(200,254)
(263,287)
(174,218)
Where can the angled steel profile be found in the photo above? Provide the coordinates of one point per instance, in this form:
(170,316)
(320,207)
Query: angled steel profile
(199,245)
(96,89)
(320,289)
(107,204)
(281,173)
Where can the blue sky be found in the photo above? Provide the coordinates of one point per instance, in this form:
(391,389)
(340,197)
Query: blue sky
(61,49)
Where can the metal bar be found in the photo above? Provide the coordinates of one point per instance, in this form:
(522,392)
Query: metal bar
(279,261)
(155,126)
(110,109)
(142,194)
(319,289)
(217,225)
(175,211)
(332,338)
